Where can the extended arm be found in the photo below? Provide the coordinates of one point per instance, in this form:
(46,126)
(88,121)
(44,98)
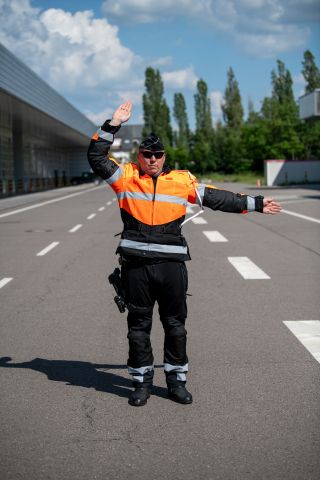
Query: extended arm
(226,201)
(102,140)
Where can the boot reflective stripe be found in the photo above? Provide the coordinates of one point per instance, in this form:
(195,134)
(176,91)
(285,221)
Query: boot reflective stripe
(176,368)
(251,204)
(159,197)
(153,247)
(181,377)
(117,174)
(105,135)
(138,373)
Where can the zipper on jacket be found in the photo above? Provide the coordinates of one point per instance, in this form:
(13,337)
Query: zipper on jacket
(154,179)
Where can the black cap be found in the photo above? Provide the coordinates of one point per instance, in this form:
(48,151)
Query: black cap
(152,142)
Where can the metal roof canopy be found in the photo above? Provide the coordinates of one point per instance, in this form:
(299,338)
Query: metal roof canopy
(20,82)
(38,124)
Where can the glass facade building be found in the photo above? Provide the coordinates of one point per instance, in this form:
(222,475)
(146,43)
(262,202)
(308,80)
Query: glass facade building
(43,138)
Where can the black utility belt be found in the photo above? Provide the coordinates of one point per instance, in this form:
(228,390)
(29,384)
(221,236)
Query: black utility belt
(144,261)
(154,229)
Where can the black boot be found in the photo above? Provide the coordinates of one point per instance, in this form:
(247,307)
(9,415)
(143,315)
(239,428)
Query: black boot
(140,395)
(179,393)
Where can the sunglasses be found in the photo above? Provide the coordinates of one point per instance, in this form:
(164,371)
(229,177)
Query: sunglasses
(149,154)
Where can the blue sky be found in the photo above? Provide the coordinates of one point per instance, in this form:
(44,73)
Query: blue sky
(95,53)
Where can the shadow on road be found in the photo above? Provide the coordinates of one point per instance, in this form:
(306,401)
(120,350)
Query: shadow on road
(82,374)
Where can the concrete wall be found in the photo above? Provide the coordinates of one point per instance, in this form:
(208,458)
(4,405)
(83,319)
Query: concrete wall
(285,172)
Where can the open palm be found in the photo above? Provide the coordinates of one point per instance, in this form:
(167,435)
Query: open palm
(123,113)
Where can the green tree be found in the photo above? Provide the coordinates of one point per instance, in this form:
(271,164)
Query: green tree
(202,140)
(232,107)
(283,103)
(229,145)
(310,137)
(203,110)
(181,117)
(280,114)
(310,72)
(156,112)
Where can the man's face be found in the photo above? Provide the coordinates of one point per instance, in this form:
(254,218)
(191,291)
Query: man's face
(151,162)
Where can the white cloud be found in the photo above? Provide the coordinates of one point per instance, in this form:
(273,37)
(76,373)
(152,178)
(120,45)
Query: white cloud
(99,117)
(299,84)
(182,79)
(216,97)
(79,55)
(259,27)
(161,62)
(146,11)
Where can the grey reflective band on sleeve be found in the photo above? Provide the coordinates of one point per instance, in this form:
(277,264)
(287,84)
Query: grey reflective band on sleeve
(117,174)
(149,196)
(105,135)
(153,247)
(251,204)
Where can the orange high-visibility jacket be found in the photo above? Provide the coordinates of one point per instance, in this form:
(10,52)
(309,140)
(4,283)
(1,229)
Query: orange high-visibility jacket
(153,209)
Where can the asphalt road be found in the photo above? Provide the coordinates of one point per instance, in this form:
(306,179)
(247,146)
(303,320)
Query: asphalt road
(63,347)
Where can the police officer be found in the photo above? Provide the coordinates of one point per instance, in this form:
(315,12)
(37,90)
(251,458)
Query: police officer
(153,200)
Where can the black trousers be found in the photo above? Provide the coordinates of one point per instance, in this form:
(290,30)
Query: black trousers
(144,284)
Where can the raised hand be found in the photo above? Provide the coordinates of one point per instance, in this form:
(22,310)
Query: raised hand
(122,114)
(270,206)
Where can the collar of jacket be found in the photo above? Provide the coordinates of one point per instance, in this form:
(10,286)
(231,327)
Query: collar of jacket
(165,169)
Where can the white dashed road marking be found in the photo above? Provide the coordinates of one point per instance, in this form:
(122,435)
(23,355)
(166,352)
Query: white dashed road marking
(248,269)
(304,217)
(54,200)
(189,209)
(101,209)
(114,199)
(47,249)
(4,281)
(109,203)
(75,228)
(91,216)
(215,236)
(308,333)
(199,220)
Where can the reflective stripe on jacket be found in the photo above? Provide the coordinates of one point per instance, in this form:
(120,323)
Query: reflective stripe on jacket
(153,209)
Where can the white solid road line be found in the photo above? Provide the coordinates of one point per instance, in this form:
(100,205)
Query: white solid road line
(91,216)
(304,217)
(75,228)
(199,220)
(215,236)
(4,281)
(47,202)
(248,269)
(101,209)
(47,249)
(308,333)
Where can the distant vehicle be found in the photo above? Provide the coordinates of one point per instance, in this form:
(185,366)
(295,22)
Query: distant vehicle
(85,177)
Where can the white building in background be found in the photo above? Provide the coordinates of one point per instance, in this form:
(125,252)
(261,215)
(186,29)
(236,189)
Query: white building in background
(309,105)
